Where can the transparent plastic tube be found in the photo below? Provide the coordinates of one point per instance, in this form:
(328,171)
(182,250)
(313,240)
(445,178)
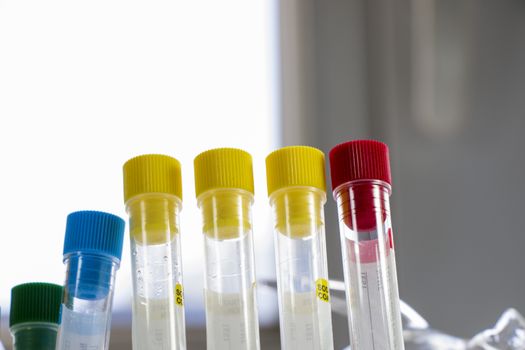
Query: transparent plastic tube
(1,344)
(231,308)
(370,268)
(158,304)
(302,272)
(361,180)
(87,303)
(224,190)
(297,190)
(92,252)
(34,336)
(35,312)
(153,198)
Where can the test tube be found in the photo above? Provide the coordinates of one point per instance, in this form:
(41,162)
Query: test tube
(92,253)
(35,311)
(224,188)
(153,197)
(1,344)
(297,190)
(361,183)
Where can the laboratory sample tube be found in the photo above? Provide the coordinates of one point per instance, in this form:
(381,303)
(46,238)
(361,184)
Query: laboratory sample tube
(361,183)
(224,189)
(34,317)
(1,344)
(297,190)
(92,253)
(153,197)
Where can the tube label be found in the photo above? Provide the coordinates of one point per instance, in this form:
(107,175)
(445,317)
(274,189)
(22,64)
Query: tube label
(179,294)
(322,290)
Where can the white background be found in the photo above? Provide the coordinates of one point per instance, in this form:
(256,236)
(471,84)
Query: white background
(86,85)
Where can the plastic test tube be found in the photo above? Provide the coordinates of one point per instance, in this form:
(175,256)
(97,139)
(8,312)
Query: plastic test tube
(224,188)
(297,191)
(361,184)
(1,344)
(153,197)
(35,311)
(92,253)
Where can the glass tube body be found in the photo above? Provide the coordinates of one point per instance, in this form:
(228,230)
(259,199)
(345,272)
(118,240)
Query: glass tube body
(34,336)
(369,265)
(87,302)
(229,285)
(302,272)
(158,300)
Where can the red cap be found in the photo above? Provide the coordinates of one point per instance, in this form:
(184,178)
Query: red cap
(359,160)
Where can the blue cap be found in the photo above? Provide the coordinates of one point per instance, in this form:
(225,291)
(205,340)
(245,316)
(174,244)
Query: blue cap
(94,232)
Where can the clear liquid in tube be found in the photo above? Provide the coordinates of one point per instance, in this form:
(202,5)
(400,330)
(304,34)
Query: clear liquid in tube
(231,321)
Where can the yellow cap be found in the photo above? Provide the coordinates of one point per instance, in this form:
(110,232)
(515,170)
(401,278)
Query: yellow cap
(222,168)
(152,173)
(295,166)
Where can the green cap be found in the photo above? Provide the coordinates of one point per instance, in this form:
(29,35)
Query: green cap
(35,302)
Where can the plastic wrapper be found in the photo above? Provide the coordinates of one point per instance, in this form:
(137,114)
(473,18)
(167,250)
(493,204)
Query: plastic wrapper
(507,334)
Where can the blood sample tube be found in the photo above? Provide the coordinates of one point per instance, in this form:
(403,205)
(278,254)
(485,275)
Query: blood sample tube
(92,253)
(35,311)
(224,189)
(153,197)
(361,183)
(297,191)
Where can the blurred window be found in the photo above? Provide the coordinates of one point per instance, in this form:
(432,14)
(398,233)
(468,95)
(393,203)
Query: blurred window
(84,86)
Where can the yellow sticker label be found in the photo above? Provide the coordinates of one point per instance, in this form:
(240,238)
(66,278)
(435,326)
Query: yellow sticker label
(179,294)
(322,290)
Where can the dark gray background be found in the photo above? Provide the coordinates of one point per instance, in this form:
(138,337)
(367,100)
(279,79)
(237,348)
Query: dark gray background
(443,83)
